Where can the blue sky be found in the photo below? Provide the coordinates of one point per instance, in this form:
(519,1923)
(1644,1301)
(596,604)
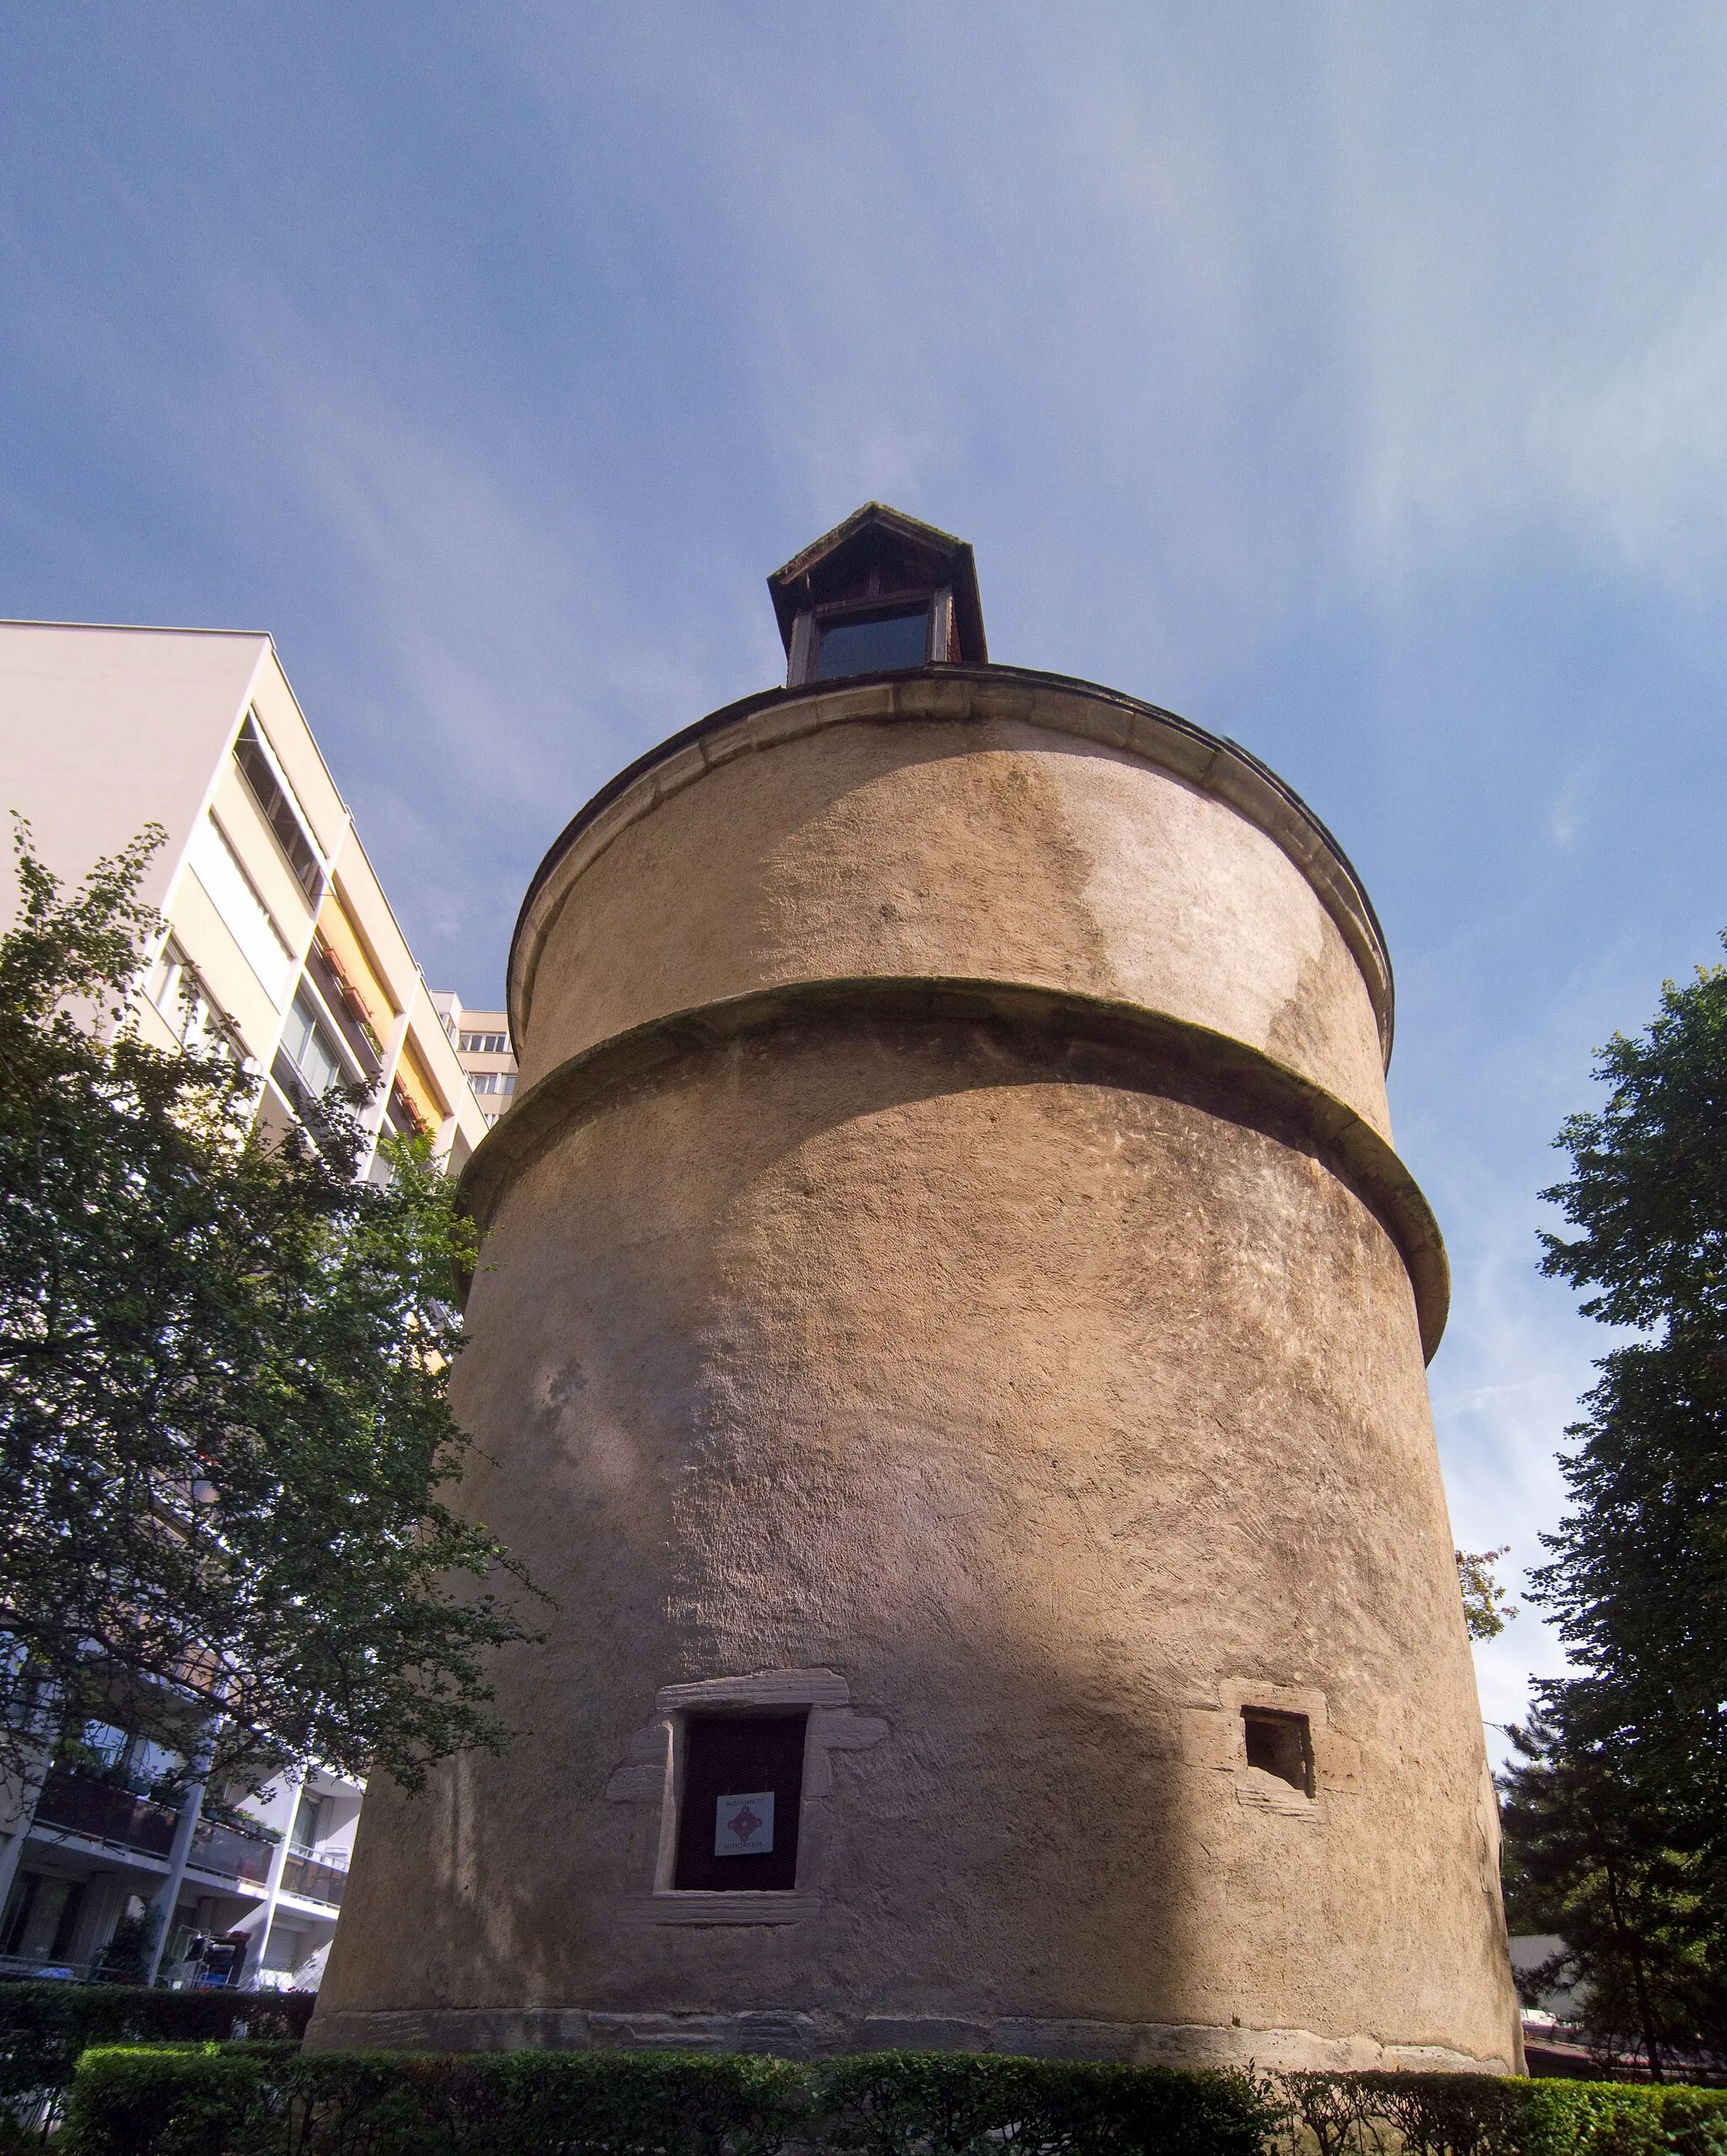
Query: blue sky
(1353,380)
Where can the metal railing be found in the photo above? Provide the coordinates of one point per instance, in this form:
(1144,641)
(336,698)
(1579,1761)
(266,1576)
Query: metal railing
(318,1879)
(107,1812)
(42,1965)
(229,1852)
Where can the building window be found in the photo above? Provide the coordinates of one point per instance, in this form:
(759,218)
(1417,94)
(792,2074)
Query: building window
(873,643)
(484,1043)
(167,986)
(1281,1745)
(41,1918)
(309,1819)
(176,991)
(880,593)
(280,813)
(310,1049)
(403,1115)
(743,1788)
(493,1081)
(105,1744)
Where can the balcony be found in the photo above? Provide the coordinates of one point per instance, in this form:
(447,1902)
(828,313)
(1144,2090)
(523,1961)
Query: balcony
(36,1968)
(316,1879)
(346,1006)
(107,1812)
(230,1853)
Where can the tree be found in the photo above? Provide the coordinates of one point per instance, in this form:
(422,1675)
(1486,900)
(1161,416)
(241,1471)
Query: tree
(225,1437)
(1637,1576)
(1591,1856)
(1487,1609)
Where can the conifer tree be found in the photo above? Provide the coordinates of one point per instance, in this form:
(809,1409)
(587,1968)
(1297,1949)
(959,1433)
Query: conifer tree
(1637,1742)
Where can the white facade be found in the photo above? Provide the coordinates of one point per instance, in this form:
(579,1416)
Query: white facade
(275,917)
(279,942)
(260,1892)
(483,1047)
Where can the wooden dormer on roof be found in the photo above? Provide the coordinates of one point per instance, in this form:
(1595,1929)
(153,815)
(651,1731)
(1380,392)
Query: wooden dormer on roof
(879,593)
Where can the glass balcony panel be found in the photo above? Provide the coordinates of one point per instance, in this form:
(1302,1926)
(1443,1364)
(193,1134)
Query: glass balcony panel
(107,1812)
(232,1855)
(317,1882)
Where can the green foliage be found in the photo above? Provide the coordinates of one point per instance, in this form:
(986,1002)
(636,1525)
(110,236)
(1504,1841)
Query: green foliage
(1618,1815)
(126,1958)
(1487,1607)
(224,1425)
(1639,1575)
(46,2028)
(648,2104)
(178,2101)
(902,2103)
(260,2100)
(1649,1186)
(1426,2114)
(1590,1855)
(1475,2114)
(1638,1579)
(131,2102)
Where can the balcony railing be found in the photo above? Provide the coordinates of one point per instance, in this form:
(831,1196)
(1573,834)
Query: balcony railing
(107,1812)
(230,1853)
(45,1965)
(317,1881)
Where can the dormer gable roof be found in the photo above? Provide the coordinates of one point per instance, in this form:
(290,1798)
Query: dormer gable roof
(880,551)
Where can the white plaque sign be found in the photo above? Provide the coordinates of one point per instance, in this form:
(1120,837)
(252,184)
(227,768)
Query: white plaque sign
(743,1826)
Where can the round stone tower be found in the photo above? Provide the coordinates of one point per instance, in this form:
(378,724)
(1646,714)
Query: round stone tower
(951,1339)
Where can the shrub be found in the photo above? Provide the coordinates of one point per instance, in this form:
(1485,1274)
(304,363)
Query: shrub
(1472,2114)
(44,2027)
(241,2102)
(1618,2118)
(272,2100)
(177,2099)
(906,2103)
(258,2100)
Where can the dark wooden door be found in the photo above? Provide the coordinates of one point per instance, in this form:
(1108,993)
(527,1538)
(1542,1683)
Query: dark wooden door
(731,1756)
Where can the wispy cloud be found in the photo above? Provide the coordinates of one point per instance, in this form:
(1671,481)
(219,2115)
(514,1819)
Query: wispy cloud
(1355,379)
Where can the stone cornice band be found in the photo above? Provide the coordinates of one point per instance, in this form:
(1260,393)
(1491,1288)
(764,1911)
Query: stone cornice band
(1080,1040)
(960,695)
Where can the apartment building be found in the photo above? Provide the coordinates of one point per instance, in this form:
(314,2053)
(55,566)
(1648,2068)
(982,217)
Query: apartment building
(260,1882)
(484,1050)
(275,920)
(280,944)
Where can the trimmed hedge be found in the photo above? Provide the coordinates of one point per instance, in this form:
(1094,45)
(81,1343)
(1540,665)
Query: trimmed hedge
(905,2103)
(45,2029)
(272,2100)
(1473,2115)
(254,2100)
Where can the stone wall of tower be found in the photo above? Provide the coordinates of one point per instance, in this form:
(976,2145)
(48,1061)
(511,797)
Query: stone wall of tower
(948,1270)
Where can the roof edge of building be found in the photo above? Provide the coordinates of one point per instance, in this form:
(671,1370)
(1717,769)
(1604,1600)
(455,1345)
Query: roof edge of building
(139,628)
(946,692)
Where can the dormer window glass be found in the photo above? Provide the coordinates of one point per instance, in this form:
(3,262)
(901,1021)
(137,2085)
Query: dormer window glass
(872,644)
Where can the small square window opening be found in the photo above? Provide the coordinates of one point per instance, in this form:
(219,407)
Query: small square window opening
(1281,1745)
(743,1788)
